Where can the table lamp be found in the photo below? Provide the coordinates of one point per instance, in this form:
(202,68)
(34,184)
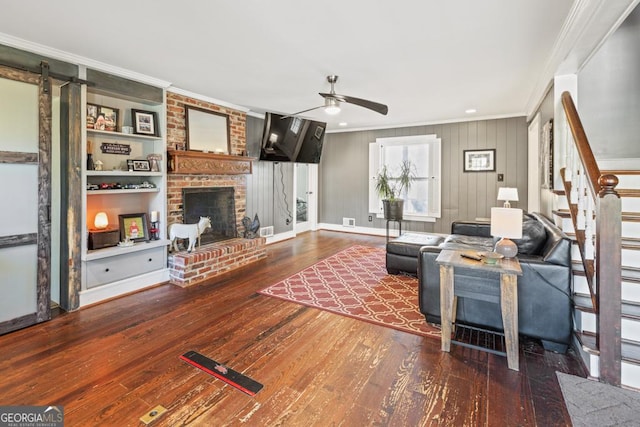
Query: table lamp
(101,221)
(508,194)
(506,223)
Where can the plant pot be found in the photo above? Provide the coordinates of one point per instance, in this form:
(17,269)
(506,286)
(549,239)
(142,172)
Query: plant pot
(393,209)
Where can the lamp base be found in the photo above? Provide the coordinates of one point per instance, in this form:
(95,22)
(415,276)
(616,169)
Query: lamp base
(506,247)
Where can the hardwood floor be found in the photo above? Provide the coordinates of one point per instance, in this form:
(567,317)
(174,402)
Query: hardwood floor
(109,364)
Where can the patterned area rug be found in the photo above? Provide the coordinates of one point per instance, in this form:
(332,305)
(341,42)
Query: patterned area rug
(355,283)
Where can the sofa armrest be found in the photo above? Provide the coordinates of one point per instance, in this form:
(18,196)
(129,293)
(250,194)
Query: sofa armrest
(471,228)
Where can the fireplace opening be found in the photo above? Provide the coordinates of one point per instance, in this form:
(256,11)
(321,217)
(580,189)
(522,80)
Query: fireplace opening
(218,203)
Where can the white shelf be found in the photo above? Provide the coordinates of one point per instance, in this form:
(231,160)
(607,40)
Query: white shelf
(123,135)
(117,250)
(122,173)
(123,191)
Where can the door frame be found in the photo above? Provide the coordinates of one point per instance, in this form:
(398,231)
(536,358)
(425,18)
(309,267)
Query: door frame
(312,202)
(43,237)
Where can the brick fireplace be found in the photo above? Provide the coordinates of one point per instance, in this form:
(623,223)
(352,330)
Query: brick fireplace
(194,170)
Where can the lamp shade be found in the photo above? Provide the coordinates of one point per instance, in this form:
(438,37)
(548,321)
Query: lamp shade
(101,221)
(508,194)
(331,106)
(506,222)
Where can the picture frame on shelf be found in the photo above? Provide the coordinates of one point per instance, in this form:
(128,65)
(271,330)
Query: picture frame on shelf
(102,118)
(110,117)
(144,122)
(140,165)
(479,160)
(134,227)
(92,115)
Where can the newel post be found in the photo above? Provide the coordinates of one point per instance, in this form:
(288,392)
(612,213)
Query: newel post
(608,279)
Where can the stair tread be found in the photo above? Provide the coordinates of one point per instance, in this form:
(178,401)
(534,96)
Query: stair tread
(629,274)
(630,309)
(630,349)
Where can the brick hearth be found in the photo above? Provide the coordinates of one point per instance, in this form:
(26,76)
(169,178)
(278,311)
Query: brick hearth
(206,262)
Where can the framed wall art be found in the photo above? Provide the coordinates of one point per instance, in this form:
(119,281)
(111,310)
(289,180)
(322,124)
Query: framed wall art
(479,160)
(144,122)
(134,227)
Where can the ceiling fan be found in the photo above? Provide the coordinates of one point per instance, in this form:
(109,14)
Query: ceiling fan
(332,101)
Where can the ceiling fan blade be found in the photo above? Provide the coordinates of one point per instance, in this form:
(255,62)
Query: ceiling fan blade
(303,111)
(375,106)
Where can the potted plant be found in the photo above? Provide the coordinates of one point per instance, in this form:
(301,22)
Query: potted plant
(389,188)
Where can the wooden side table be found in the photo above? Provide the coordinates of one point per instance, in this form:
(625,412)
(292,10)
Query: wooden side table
(509,269)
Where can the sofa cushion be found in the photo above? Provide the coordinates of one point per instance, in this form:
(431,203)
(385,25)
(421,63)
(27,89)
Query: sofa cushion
(534,236)
(409,243)
(463,242)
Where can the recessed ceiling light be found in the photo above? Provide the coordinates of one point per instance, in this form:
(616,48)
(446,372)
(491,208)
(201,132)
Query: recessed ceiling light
(470,111)
(342,124)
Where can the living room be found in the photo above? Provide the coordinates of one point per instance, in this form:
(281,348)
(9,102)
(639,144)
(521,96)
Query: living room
(343,175)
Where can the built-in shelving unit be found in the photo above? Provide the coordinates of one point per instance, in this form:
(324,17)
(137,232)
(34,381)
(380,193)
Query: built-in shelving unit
(117,189)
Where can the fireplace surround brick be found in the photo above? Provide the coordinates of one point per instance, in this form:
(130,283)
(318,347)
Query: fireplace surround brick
(208,261)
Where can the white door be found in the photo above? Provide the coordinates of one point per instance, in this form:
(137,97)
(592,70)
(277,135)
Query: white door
(24,218)
(306,189)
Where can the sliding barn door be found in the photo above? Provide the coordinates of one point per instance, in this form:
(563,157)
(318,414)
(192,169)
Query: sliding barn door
(25,140)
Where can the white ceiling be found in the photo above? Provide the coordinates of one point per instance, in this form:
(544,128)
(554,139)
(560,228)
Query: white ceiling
(427,60)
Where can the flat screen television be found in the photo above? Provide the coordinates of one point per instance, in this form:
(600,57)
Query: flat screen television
(291,139)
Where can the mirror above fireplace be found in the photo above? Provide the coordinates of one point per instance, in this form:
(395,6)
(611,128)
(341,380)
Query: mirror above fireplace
(207,130)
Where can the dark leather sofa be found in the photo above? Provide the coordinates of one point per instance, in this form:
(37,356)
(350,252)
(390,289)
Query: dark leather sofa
(544,289)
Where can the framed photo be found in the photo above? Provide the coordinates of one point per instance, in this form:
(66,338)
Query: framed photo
(110,116)
(140,165)
(479,160)
(144,122)
(207,131)
(134,227)
(103,118)
(92,115)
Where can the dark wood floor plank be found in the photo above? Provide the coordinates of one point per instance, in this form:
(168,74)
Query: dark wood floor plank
(110,363)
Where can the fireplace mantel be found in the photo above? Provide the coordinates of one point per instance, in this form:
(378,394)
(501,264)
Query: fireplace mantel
(198,162)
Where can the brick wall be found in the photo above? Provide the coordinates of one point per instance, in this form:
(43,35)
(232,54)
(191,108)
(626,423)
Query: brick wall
(177,136)
(211,260)
(176,126)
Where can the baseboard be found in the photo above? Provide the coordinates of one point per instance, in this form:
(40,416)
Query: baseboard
(280,237)
(121,287)
(357,230)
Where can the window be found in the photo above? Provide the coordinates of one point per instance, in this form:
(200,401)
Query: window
(422,201)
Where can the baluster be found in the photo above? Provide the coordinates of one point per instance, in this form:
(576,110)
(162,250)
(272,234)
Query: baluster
(589,231)
(569,149)
(575,180)
(581,219)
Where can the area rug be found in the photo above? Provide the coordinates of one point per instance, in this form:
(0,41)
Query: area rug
(591,403)
(355,283)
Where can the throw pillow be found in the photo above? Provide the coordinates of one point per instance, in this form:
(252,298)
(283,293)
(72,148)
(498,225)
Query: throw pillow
(533,236)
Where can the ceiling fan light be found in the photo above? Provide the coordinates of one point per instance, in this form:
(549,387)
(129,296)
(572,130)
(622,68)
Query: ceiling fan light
(331,106)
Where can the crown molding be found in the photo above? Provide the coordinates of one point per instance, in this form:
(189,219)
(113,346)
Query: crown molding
(588,25)
(427,123)
(81,61)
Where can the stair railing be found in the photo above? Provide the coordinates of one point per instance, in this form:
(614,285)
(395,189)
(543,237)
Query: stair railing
(596,213)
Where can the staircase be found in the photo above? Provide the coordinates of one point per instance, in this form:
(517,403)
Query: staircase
(600,209)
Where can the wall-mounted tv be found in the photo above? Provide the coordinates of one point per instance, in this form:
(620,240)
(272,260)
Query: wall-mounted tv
(291,139)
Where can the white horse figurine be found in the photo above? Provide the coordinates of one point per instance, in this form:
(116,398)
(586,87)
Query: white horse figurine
(190,231)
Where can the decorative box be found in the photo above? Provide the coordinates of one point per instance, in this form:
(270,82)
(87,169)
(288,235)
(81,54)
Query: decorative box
(99,239)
